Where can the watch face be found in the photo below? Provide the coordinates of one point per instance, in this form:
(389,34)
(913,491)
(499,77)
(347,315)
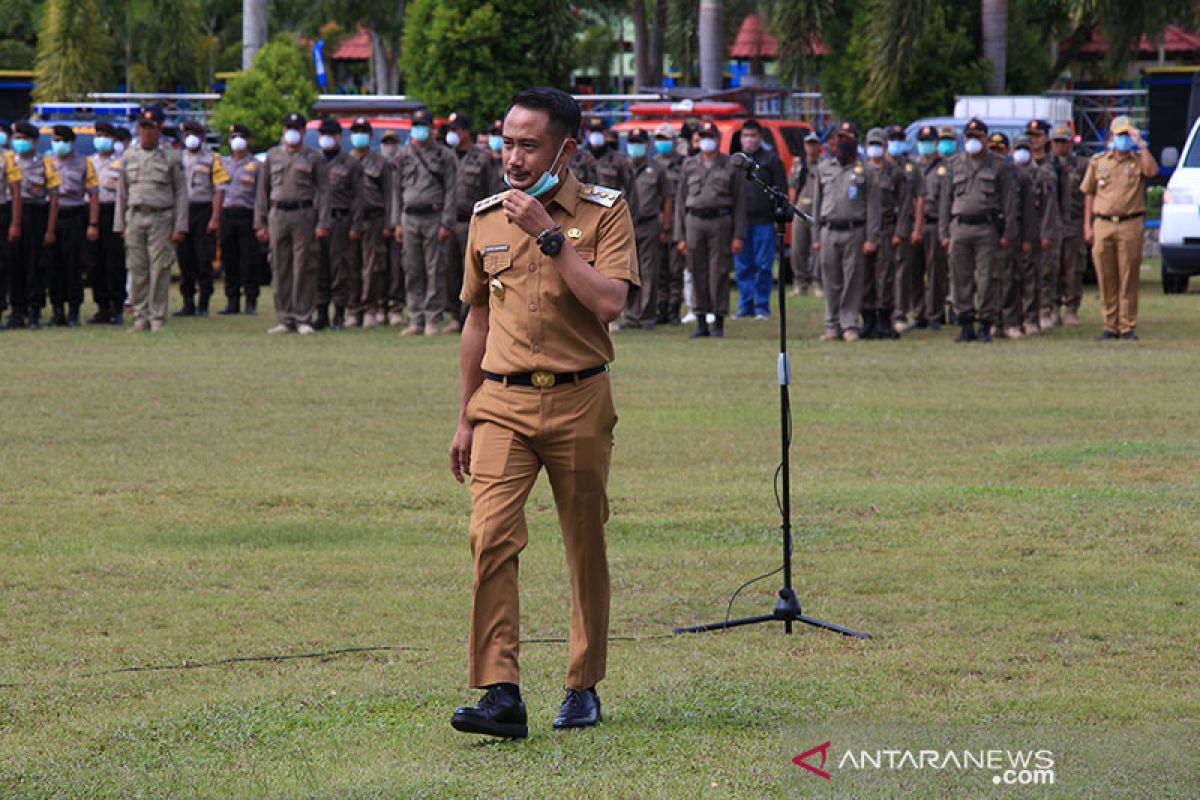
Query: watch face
(553,244)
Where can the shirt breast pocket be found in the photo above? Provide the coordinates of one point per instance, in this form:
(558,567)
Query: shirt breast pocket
(200,176)
(987,183)
(303,176)
(277,173)
(960,184)
(498,271)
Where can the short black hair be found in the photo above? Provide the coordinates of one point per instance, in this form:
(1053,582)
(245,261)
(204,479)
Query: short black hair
(752,125)
(565,116)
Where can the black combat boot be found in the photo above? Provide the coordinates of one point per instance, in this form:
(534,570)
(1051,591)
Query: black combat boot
(985,332)
(664,314)
(232,306)
(202,306)
(883,325)
(701,331)
(58,319)
(252,306)
(339,318)
(967,328)
(322,318)
(73,316)
(676,317)
(188,310)
(868,326)
(718,328)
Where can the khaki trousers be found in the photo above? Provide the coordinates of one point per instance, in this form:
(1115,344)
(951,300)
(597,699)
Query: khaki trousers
(424,276)
(568,429)
(366,280)
(1074,262)
(936,283)
(642,304)
(149,255)
(1118,255)
(295,262)
(842,268)
(975,261)
(710,260)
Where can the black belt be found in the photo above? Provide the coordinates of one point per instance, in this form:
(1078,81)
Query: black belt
(930,220)
(372,213)
(200,203)
(543,380)
(710,213)
(422,211)
(237,211)
(338,213)
(889,220)
(284,205)
(1118,217)
(975,219)
(842,225)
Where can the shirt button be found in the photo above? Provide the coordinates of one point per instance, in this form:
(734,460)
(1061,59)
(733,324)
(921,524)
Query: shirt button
(533,306)
(533,267)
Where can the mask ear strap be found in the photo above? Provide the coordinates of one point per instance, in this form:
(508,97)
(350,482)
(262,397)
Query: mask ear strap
(554,164)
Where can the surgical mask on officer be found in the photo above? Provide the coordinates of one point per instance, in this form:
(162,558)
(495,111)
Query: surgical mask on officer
(495,143)
(388,150)
(3,138)
(1123,142)
(663,147)
(291,137)
(973,146)
(118,147)
(327,142)
(926,148)
(191,141)
(596,139)
(637,149)
(420,133)
(22,146)
(453,139)
(1021,155)
(60,148)
(237,144)
(103,144)
(708,144)
(874,151)
(945,147)
(548,180)
(360,140)
(896,148)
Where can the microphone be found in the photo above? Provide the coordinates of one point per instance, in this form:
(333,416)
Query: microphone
(743,161)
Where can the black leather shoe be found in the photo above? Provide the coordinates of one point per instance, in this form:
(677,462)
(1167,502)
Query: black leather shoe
(500,712)
(935,324)
(718,327)
(101,317)
(1106,336)
(251,307)
(1129,336)
(580,709)
(701,329)
(985,332)
(188,310)
(231,307)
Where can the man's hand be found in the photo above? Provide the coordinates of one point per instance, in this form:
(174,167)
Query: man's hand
(354,236)
(1047,244)
(14,233)
(1026,247)
(896,241)
(869,247)
(1089,235)
(444,232)
(816,247)
(736,246)
(915,239)
(460,451)
(214,226)
(93,233)
(177,237)
(664,237)
(388,233)
(322,233)
(945,244)
(526,212)
(399,234)
(263,235)
(48,239)
(682,247)
(1003,242)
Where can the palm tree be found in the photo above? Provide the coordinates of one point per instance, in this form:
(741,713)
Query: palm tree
(994,18)
(712,38)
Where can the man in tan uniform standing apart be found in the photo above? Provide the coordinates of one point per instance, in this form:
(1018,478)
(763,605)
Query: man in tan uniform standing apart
(425,192)
(291,208)
(152,215)
(1114,189)
(549,264)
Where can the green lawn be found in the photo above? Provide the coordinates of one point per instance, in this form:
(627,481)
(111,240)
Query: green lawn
(1015,523)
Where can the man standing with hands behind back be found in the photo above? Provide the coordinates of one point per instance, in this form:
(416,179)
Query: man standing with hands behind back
(548,265)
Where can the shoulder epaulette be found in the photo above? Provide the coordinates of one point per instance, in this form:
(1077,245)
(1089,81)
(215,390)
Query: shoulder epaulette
(490,202)
(601,195)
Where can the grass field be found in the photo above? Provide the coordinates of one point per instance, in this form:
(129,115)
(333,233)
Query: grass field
(1015,523)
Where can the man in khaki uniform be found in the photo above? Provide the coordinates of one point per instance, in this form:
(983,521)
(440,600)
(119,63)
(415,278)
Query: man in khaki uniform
(653,215)
(847,216)
(802,190)
(386,295)
(1074,256)
(895,207)
(152,215)
(977,219)
(1019,298)
(476,178)
(340,266)
(1047,258)
(548,265)
(78,223)
(670,275)
(426,201)
(375,233)
(241,254)
(907,234)
(1114,190)
(206,180)
(710,226)
(929,263)
(106,254)
(291,211)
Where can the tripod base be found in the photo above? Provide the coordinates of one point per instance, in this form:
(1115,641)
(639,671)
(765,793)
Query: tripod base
(787,611)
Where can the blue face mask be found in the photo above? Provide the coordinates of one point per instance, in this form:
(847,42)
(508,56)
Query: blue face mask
(3,138)
(548,180)
(360,141)
(420,133)
(895,149)
(636,149)
(1123,142)
(103,144)
(61,149)
(23,146)
(945,147)
(663,146)
(495,143)
(926,148)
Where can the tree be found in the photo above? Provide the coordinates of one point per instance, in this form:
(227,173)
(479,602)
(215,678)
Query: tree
(254,29)
(72,50)
(712,50)
(994,15)
(648,36)
(279,82)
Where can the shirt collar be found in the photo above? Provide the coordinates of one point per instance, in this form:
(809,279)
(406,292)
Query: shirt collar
(567,196)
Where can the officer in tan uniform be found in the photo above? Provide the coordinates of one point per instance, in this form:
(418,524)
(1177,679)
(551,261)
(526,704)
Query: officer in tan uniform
(1019,296)
(651,206)
(1114,189)
(340,264)
(978,218)
(206,179)
(10,210)
(242,260)
(1074,256)
(152,215)
(847,217)
(375,234)
(802,190)
(710,226)
(929,279)
(895,211)
(549,264)
(387,295)
(106,253)
(1048,167)
(907,234)
(476,178)
(78,223)
(670,275)
(291,211)
(426,201)
(610,167)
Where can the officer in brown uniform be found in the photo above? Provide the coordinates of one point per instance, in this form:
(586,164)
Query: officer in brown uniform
(548,265)
(977,219)
(802,190)
(152,215)
(106,253)
(291,211)
(907,234)
(78,223)
(1019,277)
(710,226)
(611,168)
(39,217)
(10,209)
(1114,207)
(425,192)
(583,163)
(653,216)
(242,260)
(477,178)
(929,262)
(670,275)
(206,179)
(1047,258)
(849,222)
(495,147)
(387,296)
(376,232)
(340,264)
(1074,256)
(895,206)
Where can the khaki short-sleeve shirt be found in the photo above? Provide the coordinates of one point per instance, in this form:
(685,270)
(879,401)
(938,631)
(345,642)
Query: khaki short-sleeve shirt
(1117,183)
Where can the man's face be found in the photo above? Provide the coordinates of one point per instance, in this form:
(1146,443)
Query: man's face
(530,146)
(751,140)
(1037,141)
(148,134)
(1062,147)
(999,150)
(812,150)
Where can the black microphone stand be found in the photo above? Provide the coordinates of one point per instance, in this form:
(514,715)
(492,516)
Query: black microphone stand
(787,606)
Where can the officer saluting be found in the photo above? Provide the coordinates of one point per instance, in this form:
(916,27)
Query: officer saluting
(548,265)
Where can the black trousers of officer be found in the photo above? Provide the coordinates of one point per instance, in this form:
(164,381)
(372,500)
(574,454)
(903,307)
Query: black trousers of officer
(195,254)
(106,266)
(68,258)
(241,255)
(6,253)
(27,279)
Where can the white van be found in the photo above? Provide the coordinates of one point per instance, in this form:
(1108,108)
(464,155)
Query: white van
(1179,237)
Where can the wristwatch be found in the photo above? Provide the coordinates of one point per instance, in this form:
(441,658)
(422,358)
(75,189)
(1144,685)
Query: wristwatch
(550,241)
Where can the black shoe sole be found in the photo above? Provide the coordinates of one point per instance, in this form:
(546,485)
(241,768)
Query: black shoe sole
(505,730)
(570,726)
